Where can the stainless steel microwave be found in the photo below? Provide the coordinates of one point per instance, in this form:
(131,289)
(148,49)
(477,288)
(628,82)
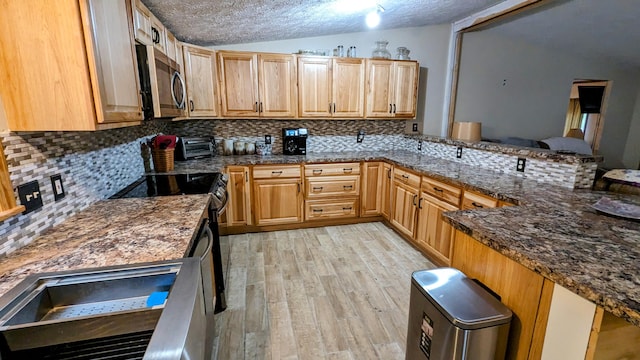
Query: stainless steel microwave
(161,84)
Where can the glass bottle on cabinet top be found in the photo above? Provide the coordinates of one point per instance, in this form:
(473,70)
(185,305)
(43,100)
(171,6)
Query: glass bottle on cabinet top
(403,53)
(381,52)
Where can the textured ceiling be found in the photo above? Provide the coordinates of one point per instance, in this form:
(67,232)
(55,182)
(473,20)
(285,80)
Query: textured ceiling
(212,22)
(606,30)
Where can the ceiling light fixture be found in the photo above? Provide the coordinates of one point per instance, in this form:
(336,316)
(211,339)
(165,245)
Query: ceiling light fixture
(373,18)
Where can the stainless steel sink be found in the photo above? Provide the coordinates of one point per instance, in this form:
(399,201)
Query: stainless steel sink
(66,307)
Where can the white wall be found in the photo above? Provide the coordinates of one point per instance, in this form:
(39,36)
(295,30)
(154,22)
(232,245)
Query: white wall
(533,101)
(631,157)
(429,46)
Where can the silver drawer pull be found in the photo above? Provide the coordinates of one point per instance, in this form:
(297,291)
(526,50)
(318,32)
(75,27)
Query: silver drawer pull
(319,188)
(276,172)
(347,187)
(317,171)
(347,208)
(405,176)
(347,169)
(438,190)
(317,210)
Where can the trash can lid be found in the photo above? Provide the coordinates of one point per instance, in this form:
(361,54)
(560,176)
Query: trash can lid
(460,299)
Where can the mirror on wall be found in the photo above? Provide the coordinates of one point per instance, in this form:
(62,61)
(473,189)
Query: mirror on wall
(516,74)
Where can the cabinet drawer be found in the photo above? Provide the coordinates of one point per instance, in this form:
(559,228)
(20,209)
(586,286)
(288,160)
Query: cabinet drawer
(441,191)
(332,186)
(332,169)
(276,171)
(406,177)
(472,200)
(331,209)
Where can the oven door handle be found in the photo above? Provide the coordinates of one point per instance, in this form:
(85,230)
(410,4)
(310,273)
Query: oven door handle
(224,205)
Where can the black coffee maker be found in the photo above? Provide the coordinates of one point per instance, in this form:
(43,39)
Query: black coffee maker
(294,141)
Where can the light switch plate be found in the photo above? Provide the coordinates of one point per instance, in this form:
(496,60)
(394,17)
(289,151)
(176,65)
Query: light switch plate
(459,152)
(58,189)
(30,196)
(419,145)
(267,139)
(414,127)
(360,136)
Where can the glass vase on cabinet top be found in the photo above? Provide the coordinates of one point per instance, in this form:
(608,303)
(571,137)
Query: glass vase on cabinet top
(381,52)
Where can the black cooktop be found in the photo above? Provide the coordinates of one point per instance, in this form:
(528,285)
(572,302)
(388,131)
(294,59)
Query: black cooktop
(165,185)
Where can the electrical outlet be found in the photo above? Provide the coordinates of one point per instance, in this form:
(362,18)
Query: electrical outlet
(30,196)
(415,127)
(521,164)
(419,144)
(267,139)
(459,152)
(58,189)
(360,136)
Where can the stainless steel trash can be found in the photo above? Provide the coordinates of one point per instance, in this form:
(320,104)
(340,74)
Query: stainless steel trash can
(452,317)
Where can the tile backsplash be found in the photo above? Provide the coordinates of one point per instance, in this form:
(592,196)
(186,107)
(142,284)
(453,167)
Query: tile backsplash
(95,165)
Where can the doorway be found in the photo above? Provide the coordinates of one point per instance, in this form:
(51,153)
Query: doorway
(585,114)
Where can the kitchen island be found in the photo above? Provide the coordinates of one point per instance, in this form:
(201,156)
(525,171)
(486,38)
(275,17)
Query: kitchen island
(111,232)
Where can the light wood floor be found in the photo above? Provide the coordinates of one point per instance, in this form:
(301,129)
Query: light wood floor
(338,292)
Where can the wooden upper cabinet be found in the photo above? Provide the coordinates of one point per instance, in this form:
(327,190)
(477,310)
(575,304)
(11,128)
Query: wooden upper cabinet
(171,45)
(348,87)
(199,70)
(277,85)
(257,85)
(73,69)
(158,35)
(331,87)
(392,88)
(238,74)
(314,86)
(142,23)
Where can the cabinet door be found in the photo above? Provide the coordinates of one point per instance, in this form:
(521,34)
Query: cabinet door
(277,201)
(405,88)
(239,203)
(380,87)
(171,46)
(314,87)
(8,205)
(142,23)
(405,205)
(277,86)
(116,62)
(158,35)
(371,195)
(199,72)
(385,203)
(348,88)
(238,74)
(433,234)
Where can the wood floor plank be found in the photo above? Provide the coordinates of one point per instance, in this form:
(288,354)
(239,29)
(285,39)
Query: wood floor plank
(338,292)
(338,297)
(283,344)
(255,315)
(274,285)
(330,328)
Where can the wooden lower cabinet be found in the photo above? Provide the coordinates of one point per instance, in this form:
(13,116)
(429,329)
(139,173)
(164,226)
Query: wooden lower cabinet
(277,201)
(523,291)
(239,203)
(434,235)
(371,197)
(385,203)
(404,208)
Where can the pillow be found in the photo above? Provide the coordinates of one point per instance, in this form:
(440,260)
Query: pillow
(577,146)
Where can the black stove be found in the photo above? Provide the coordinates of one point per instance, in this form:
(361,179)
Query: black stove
(187,184)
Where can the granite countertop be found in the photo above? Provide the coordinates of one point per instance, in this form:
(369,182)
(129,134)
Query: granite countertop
(110,232)
(554,231)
